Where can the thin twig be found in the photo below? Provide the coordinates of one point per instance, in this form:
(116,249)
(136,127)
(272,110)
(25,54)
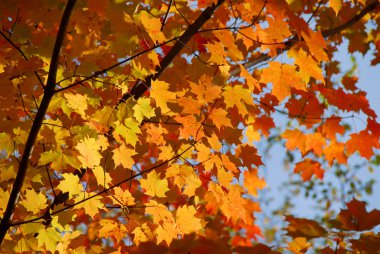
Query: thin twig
(166,14)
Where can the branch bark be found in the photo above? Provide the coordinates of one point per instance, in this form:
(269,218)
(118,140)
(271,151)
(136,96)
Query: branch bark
(141,87)
(6,222)
(326,33)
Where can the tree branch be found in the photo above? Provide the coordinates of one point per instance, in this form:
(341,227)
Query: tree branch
(326,33)
(141,86)
(22,54)
(105,190)
(37,123)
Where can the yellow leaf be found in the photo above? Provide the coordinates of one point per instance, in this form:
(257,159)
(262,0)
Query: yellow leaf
(218,54)
(219,118)
(33,201)
(166,232)
(48,237)
(153,27)
(251,82)
(154,185)
(308,66)
(101,176)
(89,150)
(252,134)
(224,177)
(111,228)
(205,91)
(4,197)
(299,245)
(91,206)
(336,5)
(233,205)
(191,180)
(123,196)
(317,44)
(166,153)
(123,156)
(142,234)
(186,220)
(161,94)
(77,102)
(142,109)
(128,131)
(70,184)
(159,212)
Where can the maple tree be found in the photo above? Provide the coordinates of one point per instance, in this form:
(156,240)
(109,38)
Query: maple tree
(131,125)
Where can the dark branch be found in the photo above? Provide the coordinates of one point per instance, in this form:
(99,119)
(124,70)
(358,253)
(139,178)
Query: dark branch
(326,33)
(37,123)
(22,54)
(166,14)
(141,86)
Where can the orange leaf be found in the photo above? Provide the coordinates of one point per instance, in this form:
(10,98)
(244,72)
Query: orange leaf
(252,182)
(308,168)
(364,143)
(283,77)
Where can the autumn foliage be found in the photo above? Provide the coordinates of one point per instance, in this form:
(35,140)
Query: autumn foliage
(131,126)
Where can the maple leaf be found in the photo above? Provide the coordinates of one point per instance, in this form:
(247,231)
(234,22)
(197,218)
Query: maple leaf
(34,202)
(123,196)
(308,66)
(123,156)
(89,150)
(186,220)
(356,217)
(77,102)
(166,232)
(218,53)
(70,184)
(233,204)
(129,131)
(161,94)
(336,5)
(205,91)
(111,228)
(4,196)
(101,176)
(219,118)
(252,182)
(335,151)
(142,109)
(363,142)
(49,238)
(316,43)
(251,81)
(298,245)
(308,168)
(237,96)
(308,229)
(83,113)
(92,206)
(283,77)
(142,234)
(154,186)
(153,27)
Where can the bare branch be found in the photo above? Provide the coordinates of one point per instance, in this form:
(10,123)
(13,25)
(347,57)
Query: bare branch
(37,123)
(166,14)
